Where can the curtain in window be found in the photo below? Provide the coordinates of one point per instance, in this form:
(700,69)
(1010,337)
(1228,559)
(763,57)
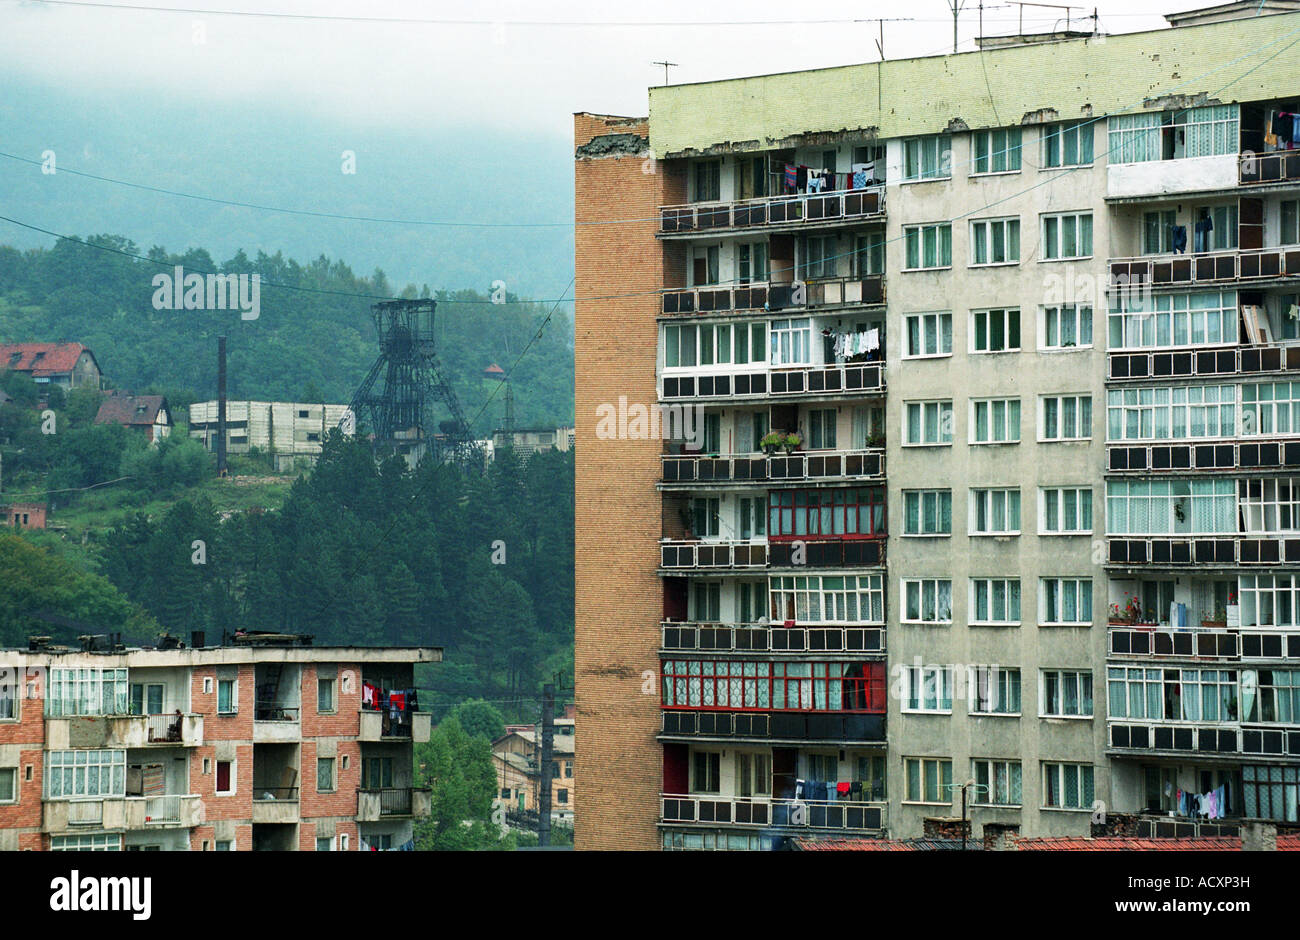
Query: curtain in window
(1211,131)
(1134,138)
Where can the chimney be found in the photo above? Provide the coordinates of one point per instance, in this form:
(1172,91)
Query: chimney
(196,639)
(221,406)
(1001,837)
(1258,835)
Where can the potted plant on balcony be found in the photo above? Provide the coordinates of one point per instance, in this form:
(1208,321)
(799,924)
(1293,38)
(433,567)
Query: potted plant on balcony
(876,439)
(791,441)
(770,442)
(1216,619)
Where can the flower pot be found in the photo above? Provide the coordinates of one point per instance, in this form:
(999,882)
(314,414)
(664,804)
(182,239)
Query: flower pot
(1213,624)
(769,449)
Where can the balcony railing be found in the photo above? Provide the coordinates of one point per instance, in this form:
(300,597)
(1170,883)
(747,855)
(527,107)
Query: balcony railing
(1204,643)
(852,815)
(764,638)
(864,378)
(810,552)
(812,294)
(275,794)
(162,809)
(775,726)
(1280,167)
(1222,551)
(1205,738)
(1226,455)
(272,711)
(1206,268)
(867,464)
(774,211)
(1193,363)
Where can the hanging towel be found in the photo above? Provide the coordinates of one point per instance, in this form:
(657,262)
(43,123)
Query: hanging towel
(791,176)
(873,340)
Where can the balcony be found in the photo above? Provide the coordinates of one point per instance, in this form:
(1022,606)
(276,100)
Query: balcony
(171,811)
(854,816)
(377,725)
(829,727)
(1217,455)
(1206,739)
(1229,361)
(168,811)
(827,294)
(690,471)
(1159,643)
(125,731)
(273,722)
(1171,177)
(1227,551)
(677,555)
(764,638)
(811,381)
(773,213)
(393,803)
(275,805)
(1208,269)
(1280,167)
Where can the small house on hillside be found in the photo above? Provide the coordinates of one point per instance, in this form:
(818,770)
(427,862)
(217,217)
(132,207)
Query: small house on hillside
(148,414)
(67,365)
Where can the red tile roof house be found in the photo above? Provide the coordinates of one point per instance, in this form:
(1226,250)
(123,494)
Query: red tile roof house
(147,413)
(68,365)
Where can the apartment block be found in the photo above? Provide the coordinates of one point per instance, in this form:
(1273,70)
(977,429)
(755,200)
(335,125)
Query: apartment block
(939,434)
(268,744)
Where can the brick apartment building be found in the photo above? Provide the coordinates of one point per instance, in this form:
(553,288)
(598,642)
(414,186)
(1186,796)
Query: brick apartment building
(1050,287)
(265,744)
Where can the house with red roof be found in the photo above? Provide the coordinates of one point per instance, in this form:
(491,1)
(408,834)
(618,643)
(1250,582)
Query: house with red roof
(67,365)
(148,414)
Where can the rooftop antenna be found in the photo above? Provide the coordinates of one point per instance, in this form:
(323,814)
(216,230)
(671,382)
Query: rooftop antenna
(1020,28)
(666,66)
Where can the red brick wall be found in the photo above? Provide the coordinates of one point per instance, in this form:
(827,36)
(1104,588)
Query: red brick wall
(237,727)
(619,598)
(238,805)
(345,721)
(343,800)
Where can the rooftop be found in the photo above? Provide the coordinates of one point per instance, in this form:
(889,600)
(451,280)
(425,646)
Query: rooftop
(131,410)
(41,359)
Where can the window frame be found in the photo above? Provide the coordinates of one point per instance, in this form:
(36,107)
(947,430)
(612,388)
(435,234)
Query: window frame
(915,236)
(1052,245)
(1009,318)
(989,494)
(1078,399)
(942,405)
(1077,676)
(923,333)
(1008,235)
(1043,499)
(920,497)
(1007,421)
(904,582)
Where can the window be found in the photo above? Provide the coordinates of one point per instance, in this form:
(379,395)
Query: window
(1067,694)
(928,246)
(85,773)
(1270,408)
(927,512)
(996,151)
(1136,692)
(752,262)
(706,263)
(1215,228)
(994,690)
(561,796)
(225,779)
(995,601)
(929,422)
(1066,327)
(1066,418)
(324,774)
(994,330)
(869,254)
(376,773)
(99,842)
(87,692)
(1204,318)
(1272,792)
(852,511)
(1270,600)
(207,685)
(1158,232)
(927,158)
(1065,511)
(1266,505)
(728,685)
(1160,413)
(1065,601)
(343,842)
(325,695)
(928,689)
(995,512)
(705,516)
(821,428)
(929,334)
(555,770)
(324,844)
(820,254)
(708,181)
(1289,216)
(995,241)
(226,703)
(1067,144)
(1067,236)
(1171,507)
(753,774)
(928,780)
(713,344)
(568,769)
(927,600)
(791,342)
(995,421)
(8,784)
(1188,132)
(146,699)
(226,845)
(1067,786)
(997,782)
(828,599)
(8,693)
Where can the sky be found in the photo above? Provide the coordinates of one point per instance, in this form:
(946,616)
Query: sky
(466,119)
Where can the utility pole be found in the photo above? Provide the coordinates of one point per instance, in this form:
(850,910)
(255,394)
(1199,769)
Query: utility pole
(221,406)
(665,65)
(955,6)
(548,736)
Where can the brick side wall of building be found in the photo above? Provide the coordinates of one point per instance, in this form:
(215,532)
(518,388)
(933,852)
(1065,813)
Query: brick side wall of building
(619,598)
